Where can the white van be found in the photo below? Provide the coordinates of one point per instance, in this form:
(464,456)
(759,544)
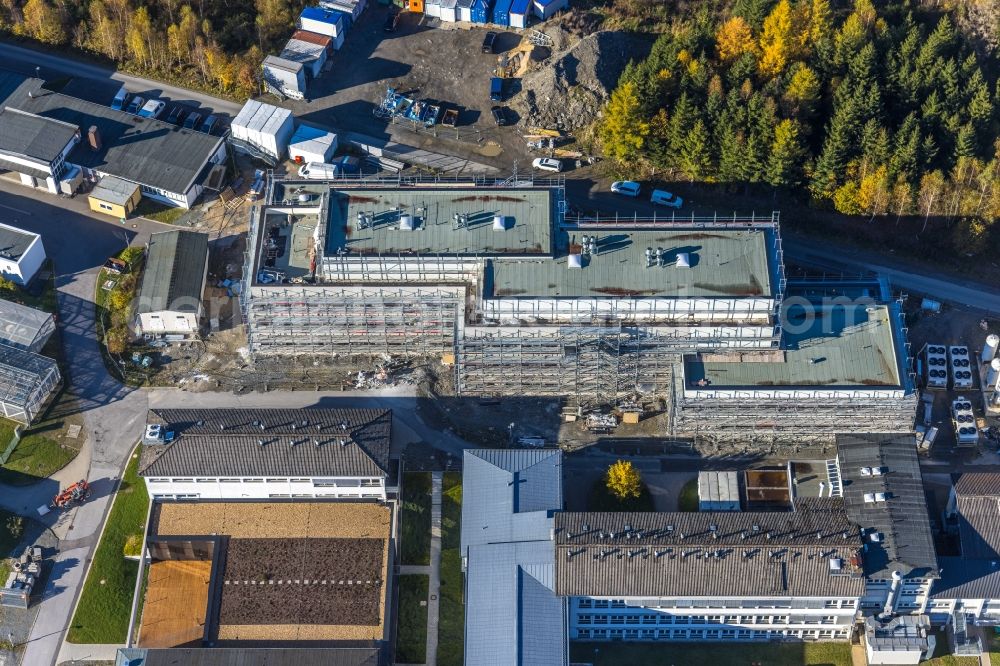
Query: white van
(318,171)
(664,198)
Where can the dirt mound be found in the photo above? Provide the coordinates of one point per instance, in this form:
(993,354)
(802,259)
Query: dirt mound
(569,90)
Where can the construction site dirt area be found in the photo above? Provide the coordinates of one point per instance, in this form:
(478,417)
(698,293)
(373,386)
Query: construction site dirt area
(273,520)
(176,603)
(308,582)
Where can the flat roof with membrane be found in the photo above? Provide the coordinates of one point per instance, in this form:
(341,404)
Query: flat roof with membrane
(717,264)
(828,347)
(528,218)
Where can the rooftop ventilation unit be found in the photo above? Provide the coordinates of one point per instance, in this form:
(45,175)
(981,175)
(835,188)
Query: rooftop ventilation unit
(154,432)
(869,498)
(499,223)
(877,471)
(406,223)
(836,564)
(961,370)
(881,497)
(574,261)
(937,362)
(866,471)
(683,260)
(966,430)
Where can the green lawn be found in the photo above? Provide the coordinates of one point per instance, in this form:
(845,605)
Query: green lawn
(411,636)
(600,499)
(39,453)
(688,499)
(157,211)
(103,613)
(46,298)
(690,654)
(451,611)
(416,518)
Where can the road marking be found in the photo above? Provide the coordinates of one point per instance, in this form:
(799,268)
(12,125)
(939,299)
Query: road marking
(16,210)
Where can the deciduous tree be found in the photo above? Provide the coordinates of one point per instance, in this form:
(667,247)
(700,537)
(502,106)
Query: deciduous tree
(623,480)
(733,39)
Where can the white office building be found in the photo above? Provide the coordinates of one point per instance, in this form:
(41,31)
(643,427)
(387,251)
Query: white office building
(266,453)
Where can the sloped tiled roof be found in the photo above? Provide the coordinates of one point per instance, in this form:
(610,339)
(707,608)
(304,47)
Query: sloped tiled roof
(676,554)
(270,442)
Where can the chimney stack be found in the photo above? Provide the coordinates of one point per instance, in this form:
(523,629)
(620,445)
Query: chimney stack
(94,138)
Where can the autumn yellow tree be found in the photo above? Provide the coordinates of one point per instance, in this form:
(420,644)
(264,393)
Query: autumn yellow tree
(43,22)
(623,130)
(623,480)
(733,39)
(777,39)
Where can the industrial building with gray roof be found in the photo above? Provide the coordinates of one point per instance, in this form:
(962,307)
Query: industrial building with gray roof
(269,442)
(169,162)
(174,275)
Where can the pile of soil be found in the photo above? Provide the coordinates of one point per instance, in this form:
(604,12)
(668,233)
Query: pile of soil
(570,90)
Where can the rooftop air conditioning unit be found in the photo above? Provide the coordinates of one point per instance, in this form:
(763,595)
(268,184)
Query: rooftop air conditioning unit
(406,223)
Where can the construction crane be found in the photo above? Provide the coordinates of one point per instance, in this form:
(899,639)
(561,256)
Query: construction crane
(79,492)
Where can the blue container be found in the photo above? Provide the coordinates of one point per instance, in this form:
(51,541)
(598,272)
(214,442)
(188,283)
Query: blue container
(501,12)
(481,11)
(519,10)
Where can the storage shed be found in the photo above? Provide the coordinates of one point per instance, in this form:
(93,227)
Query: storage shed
(481,11)
(501,13)
(23,327)
(546,8)
(352,8)
(169,302)
(463,10)
(27,382)
(114,196)
(315,38)
(311,56)
(310,144)
(286,76)
(432,8)
(324,22)
(260,127)
(519,13)
(449,13)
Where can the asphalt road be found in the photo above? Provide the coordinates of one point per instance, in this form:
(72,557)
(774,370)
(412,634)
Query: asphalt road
(585,194)
(24,61)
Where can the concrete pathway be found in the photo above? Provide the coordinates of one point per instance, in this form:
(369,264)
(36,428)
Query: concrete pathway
(434,589)
(858,656)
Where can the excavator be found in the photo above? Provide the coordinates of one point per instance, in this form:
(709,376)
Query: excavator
(79,492)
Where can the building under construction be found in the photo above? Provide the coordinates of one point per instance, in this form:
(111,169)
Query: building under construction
(495,279)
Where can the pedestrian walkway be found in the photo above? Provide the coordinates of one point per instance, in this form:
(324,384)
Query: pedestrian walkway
(858,657)
(434,589)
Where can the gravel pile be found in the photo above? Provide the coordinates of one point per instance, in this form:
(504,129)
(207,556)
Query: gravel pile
(570,89)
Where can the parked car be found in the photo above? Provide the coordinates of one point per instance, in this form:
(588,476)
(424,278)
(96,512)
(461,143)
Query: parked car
(664,198)
(209,124)
(135,105)
(152,109)
(489,41)
(547,164)
(629,188)
(391,21)
(496,89)
(176,115)
(192,121)
(120,100)
(500,115)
